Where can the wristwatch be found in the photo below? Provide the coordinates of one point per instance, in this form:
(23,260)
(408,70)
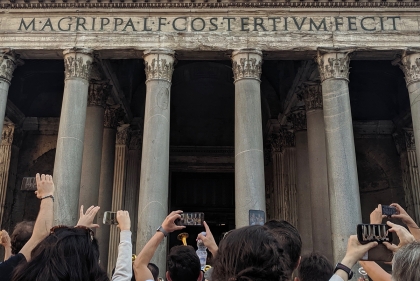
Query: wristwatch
(165,233)
(345,269)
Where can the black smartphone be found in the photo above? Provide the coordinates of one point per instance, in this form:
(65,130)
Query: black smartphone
(373,232)
(110,218)
(379,253)
(388,210)
(191,219)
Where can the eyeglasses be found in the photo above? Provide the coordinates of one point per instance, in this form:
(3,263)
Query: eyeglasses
(89,230)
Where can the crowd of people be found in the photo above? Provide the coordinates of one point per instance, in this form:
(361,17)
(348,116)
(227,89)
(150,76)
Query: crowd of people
(39,251)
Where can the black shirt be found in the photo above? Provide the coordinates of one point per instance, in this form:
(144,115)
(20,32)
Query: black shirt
(7,267)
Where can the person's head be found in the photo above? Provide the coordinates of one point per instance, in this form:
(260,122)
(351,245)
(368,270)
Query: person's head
(289,240)
(314,267)
(406,263)
(21,235)
(154,270)
(68,253)
(251,253)
(183,264)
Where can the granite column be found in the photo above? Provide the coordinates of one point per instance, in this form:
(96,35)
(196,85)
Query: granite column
(303,195)
(92,147)
(249,153)
(154,175)
(341,157)
(317,159)
(69,153)
(106,180)
(5,156)
(8,63)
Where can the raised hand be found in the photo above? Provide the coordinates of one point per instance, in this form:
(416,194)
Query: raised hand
(86,219)
(44,185)
(123,219)
(208,240)
(376,216)
(169,223)
(404,216)
(403,234)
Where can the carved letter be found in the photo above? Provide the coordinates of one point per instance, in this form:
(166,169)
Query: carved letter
(203,23)
(337,23)
(299,27)
(352,23)
(80,22)
(274,23)
(213,24)
(312,23)
(69,24)
(129,23)
(363,26)
(22,22)
(103,23)
(228,20)
(259,22)
(145,25)
(117,22)
(161,21)
(174,24)
(244,23)
(48,23)
(394,27)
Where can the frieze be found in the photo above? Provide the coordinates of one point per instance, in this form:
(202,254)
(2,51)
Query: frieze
(334,65)
(297,119)
(8,63)
(312,95)
(98,93)
(410,65)
(77,64)
(159,64)
(247,64)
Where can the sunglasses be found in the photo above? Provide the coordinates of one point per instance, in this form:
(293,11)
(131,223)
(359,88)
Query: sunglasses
(88,230)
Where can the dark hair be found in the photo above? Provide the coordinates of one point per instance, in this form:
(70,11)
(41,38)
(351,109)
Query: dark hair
(250,253)
(183,264)
(289,240)
(21,234)
(154,270)
(315,267)
(67,254)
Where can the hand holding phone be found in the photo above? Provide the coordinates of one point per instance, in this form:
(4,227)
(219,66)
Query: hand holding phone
(190,219)
(110,218)
(389,210)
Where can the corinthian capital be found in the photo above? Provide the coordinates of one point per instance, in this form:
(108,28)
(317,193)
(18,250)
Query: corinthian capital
(313,96)
(334,65)
(287,138)
(410,65)
(410,142)
(298,120)
(246,64)
(123,134)
(159,64)
(113,116)
(8,63)
(7,134)
(98,93)
(78,63)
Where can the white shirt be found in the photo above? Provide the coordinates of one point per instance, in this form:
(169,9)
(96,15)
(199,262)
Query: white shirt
(124,266)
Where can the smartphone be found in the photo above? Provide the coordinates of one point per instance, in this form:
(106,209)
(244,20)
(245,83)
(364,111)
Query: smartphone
(191,219)
(110,218)
(388,210)
(373,232)
(28,183)
(379,253)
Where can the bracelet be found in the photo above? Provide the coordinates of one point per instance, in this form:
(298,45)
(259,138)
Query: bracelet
(48,196)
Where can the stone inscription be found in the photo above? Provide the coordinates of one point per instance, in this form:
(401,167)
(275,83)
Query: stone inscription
(213,24)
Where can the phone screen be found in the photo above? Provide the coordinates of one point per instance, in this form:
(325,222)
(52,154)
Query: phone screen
(110,218)
(191,219)
(373,232)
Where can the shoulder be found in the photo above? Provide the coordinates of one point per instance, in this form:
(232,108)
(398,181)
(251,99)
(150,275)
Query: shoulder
(7,267)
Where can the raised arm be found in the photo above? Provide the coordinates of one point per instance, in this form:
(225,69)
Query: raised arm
(374,271)
(208,240)
(124,266)
(406,219)
(141,271)
(5,241)
(44,221)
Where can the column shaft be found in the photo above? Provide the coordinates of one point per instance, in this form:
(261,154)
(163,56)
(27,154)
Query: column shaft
(249,154)
(317,154)
(5,156)
(69,153)
(106,182)
(341,156)
(121,153)
(8,63)
(154,177)
(92,147)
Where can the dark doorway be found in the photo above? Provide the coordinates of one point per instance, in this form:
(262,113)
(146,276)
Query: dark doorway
(210,193)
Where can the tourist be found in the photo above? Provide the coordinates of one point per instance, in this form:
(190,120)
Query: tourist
(20,235)
(407,263)
(43,224)
(154,270)
(289,238)
(314,267)
(250,253)
(183,262)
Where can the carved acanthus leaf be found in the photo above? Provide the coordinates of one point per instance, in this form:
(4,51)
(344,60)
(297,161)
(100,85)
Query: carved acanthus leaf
(247,68)
(410,142)
(8,63)
(7,134)
(410,65)
(136,140)
(281,139)
(297,119)
(98,93)
(77,66)
(123,134)
(333,66)
(159,68)
(313,97)
(113,116)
